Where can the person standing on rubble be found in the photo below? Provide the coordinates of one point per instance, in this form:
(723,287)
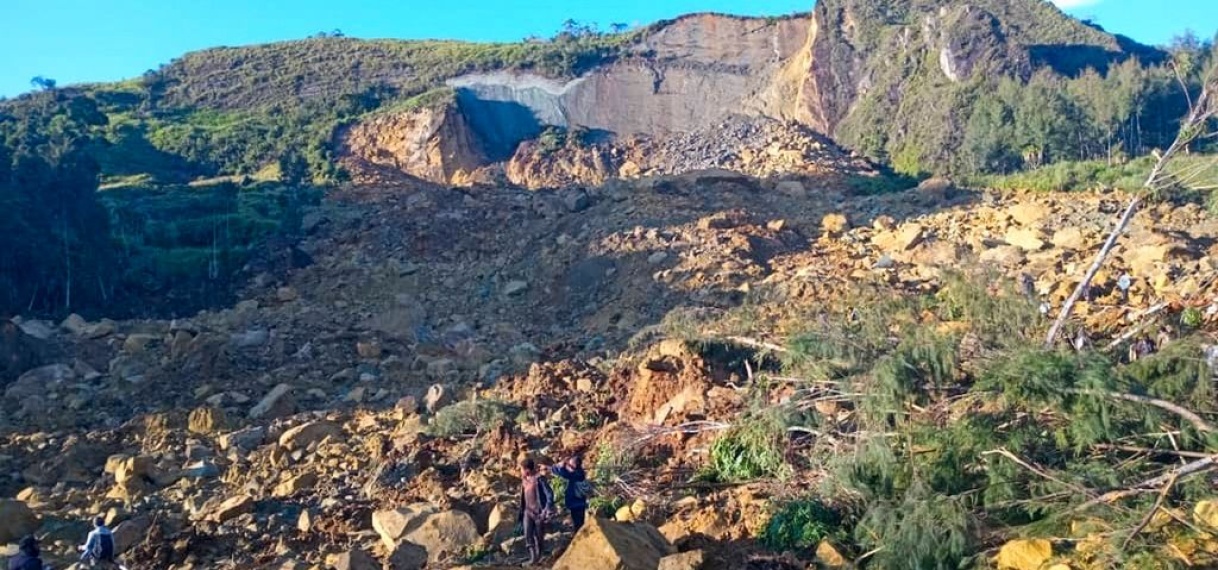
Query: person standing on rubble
(578,488)
(536,507)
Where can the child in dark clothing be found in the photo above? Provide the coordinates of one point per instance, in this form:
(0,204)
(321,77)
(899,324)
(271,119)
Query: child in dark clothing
(576,497)
(536,507)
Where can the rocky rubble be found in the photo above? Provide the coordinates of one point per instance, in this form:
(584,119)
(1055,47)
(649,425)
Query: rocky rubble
(299,428)
(753,146)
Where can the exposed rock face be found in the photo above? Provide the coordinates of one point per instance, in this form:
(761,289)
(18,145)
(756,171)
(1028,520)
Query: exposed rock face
(691,72)
(837,71)
(435,144)
(683,75)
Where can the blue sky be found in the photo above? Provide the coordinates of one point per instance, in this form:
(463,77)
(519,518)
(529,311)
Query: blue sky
(100,40)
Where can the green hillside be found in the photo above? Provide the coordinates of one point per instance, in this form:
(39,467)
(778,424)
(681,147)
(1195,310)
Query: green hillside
(234,111)
(991,86)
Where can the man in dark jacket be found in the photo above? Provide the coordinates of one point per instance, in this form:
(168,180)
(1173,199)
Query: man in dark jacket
(578,488)
(536,507)
(28,556)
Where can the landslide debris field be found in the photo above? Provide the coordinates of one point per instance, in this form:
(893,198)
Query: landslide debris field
(735,355)
(334,290)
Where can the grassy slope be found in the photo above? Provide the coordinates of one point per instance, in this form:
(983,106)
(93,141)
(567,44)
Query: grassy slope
(234,111)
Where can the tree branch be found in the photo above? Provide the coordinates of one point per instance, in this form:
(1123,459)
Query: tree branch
(1033,469)
(1152,451)
(1068,306)
(1198,422)
(753,343)
(1200,112)
(1151,513)
(1181,472)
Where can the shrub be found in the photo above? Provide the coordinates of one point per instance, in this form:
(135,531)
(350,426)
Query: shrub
(612,461)
(800,524)
(921,531)
(1192,318)
(753,449)
(471,417)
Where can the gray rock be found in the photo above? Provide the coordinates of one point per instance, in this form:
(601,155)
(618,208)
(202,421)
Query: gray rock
(250,339)
(39,381)
(276,404)
(41,330)
(514,288)
(246,439)
(577,201)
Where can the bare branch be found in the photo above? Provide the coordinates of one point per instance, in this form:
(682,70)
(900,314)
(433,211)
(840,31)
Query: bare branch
(1198,422)
(1150,450)
(1037,471)
(753,343)
(1151,513)
(1130,210)
(1132,332)
(1149,485)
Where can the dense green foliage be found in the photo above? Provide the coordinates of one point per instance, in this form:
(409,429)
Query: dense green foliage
(51,257)
(181,245)
(800,525)
(962,436)
(1200,170)
(133,250)
(750,450)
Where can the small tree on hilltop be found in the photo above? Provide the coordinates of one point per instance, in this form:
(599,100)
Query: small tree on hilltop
(43,83)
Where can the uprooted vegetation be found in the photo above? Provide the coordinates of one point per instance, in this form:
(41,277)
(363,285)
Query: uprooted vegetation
(934,428)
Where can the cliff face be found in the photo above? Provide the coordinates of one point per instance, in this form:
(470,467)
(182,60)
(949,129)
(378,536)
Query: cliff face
(685,75)
(867,72)
(436,144)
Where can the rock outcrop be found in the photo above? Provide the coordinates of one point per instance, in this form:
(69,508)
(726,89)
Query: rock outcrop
(435,143)
(615,546)
(16,521)
(443,534)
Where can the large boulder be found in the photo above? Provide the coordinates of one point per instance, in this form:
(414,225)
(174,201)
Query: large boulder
(1024,554)
(16,521)
(275,404)
(296,484)
(407,556)
(442,533)
(243,440)
(692,560)
(207,420)
(39,381)
(18,351)
(608,545)
(303,436)
(131,532)
(231,508)
(354,559)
